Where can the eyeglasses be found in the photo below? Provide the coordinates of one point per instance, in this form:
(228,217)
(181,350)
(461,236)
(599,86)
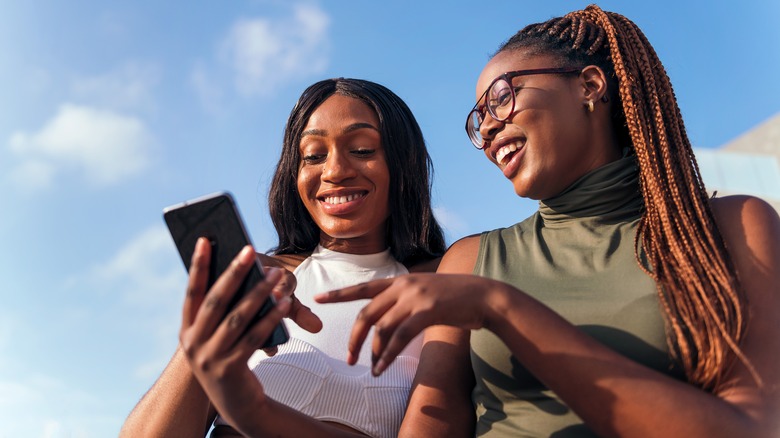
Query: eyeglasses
(500,99)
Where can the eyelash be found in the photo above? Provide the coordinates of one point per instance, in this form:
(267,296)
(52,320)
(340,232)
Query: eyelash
(318,158)
(312,158)
(363,152)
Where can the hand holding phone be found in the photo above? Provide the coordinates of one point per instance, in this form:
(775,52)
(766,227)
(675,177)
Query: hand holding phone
(216,218)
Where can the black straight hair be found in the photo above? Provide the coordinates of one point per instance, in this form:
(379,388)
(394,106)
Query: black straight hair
(413,234)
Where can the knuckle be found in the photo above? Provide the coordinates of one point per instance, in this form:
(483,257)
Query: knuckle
(253,339)
(363,315)
(213,301)
(203,363)
(235,320)
(382,331)
(404,333)
(187,348)
(191,291)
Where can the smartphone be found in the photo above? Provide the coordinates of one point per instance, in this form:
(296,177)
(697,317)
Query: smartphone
(217,218)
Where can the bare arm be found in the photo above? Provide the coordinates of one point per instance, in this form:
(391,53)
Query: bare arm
(217,345)
(614,395)
(440,400)
(174,406)
(641,402)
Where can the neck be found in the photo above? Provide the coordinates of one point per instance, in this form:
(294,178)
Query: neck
(356,245)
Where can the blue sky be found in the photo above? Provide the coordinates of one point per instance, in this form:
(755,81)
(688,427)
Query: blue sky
(110,111)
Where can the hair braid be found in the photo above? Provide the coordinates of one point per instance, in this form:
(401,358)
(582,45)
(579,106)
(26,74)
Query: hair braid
(697,283)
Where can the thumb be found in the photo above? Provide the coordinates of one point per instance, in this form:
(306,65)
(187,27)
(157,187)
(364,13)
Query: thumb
(304,317)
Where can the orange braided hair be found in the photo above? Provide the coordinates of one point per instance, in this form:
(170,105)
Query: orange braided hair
(696,279)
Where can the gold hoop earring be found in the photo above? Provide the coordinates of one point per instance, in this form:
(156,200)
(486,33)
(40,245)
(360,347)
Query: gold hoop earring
(590,106)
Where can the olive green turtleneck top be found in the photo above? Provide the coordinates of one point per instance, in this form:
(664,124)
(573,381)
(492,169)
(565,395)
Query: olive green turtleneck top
(576,255)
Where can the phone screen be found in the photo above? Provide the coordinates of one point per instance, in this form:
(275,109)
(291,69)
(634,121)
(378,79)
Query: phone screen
(216,217)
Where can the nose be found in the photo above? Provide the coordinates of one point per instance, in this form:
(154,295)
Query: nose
(489,128)
(338,167)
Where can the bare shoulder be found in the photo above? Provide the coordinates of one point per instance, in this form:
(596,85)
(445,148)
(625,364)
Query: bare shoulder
(748,223)
(743,207)
(751,231)
(462,249)
(426,266)
(461,257)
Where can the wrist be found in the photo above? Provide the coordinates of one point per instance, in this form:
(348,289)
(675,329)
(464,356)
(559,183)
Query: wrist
(496,304)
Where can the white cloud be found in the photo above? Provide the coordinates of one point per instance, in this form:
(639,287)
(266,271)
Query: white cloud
(105,146)
(127,87)
(35,405)
(150,278)
(17,394)
(453,224)
(263,53)
(147,271)
(34,174)
(10,327)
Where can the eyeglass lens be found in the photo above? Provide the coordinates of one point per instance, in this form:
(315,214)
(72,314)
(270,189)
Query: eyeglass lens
(500,102)
(501,99)
(474,122)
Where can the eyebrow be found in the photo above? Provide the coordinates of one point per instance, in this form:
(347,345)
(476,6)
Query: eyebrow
(347,130)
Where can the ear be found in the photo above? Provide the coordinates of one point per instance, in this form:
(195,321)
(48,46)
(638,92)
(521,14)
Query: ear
(594,83)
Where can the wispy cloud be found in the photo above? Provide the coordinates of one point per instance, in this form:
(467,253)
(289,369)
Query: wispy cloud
(129,86)
(149,277)
(146,271)
(36,404)
(104,146)
(263,53)
(454,225)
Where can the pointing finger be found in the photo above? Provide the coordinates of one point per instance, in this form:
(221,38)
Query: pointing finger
(352,293)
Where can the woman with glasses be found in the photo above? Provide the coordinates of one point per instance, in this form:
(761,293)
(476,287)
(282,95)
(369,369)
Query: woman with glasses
(630,304)
(350,201)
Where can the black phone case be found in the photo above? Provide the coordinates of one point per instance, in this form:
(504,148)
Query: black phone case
(217,218)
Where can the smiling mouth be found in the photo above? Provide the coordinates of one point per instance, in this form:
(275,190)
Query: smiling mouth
(336,200)
(504,153)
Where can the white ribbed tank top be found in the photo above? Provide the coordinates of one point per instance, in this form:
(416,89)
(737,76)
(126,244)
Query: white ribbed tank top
(309,372)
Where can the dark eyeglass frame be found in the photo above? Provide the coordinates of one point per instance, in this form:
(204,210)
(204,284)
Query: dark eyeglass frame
(479,110)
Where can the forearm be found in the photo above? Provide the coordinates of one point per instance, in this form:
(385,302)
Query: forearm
(174,406)
(270,418)
(440,400)
(614,395)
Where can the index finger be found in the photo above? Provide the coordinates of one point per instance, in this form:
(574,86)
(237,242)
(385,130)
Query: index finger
(353,293)
(197,282)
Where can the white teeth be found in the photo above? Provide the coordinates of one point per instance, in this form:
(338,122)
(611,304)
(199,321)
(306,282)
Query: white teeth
(341,199)
(504,151)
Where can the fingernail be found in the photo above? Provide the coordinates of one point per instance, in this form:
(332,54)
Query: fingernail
(246,252)
(284,304)
(378,368)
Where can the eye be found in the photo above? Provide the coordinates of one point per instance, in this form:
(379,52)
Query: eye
(313,158)
(363,152)
(502,98)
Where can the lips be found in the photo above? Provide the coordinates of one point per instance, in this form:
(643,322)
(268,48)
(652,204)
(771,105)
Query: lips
(342,198)
(506,149)
(342,201)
